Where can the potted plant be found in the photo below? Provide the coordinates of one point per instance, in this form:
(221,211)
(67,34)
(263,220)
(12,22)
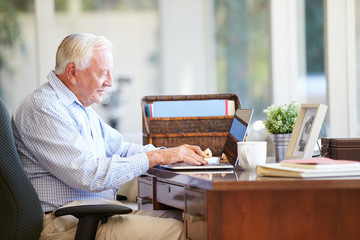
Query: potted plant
(280,124)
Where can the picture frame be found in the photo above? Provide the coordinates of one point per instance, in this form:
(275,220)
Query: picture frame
(306,131)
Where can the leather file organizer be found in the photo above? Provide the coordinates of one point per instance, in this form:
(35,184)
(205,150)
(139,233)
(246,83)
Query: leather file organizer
(206,132)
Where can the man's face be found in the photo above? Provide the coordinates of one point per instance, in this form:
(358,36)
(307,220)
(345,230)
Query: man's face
(91,82)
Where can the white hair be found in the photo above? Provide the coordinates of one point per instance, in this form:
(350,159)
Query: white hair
(78,49)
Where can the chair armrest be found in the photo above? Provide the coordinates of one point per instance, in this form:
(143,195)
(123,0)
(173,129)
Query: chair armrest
(90,215)
(121,197)
(105,210)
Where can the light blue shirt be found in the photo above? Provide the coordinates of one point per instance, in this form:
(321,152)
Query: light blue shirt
(68,152)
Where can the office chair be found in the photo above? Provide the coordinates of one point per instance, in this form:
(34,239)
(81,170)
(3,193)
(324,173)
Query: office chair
(20,209)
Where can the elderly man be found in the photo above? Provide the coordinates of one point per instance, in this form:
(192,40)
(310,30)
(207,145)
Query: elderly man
(72,157)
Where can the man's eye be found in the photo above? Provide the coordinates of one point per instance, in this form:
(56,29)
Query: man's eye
(102,75)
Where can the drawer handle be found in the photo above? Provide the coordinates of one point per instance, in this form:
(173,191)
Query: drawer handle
(193,218)
(143,201)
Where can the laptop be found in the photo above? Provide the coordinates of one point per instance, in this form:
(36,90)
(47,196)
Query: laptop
(189,166)
(237,133)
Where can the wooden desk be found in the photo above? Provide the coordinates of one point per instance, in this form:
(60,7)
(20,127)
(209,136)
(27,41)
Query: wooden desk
(239,205)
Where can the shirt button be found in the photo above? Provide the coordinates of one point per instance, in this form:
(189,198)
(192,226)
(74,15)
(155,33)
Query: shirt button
(141,171)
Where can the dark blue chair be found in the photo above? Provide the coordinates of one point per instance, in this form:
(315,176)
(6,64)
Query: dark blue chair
(20,209)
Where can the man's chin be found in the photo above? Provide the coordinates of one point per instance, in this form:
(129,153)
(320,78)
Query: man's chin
(97,100)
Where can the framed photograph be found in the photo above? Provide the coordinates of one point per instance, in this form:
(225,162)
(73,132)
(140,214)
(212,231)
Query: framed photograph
(306,131)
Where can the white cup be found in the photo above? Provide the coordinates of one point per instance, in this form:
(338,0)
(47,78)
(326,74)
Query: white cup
(251,154)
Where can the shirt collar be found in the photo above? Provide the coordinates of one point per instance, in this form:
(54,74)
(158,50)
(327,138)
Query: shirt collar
(64,94)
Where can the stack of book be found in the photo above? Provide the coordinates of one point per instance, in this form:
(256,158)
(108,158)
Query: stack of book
(314,167)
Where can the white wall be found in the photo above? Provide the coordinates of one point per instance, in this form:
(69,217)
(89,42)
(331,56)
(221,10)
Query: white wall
(340,62)
(287,51)
(187,47)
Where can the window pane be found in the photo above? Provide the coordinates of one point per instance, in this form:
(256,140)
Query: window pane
(61,5)
(314,13)
(242,52)
(357,16)
(93,5)
(17,51)
(315,78)
(316,81)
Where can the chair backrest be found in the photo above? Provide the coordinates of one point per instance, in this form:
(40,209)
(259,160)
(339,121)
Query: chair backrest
(20,209)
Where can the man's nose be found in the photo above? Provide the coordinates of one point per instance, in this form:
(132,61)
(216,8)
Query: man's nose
(109,80)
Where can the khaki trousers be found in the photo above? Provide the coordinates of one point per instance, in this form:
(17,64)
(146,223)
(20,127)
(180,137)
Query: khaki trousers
(160,224)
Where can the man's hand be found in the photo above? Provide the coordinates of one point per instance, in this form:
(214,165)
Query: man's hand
(185,153)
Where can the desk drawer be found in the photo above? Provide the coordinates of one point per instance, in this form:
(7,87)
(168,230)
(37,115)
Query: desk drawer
(145,190)
(170,194)
(195,215)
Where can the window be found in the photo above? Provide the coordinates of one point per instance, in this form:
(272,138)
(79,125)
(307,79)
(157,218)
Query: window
(242,52)
(315,55)
(357,25)
(17,51)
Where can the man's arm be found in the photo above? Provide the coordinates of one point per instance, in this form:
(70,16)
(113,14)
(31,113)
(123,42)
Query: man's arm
(52,142)
(184,153)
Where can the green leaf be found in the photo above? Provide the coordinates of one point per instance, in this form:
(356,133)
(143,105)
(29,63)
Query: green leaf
(281,118)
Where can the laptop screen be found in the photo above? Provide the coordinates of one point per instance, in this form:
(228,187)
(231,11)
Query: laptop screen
(237,132)
(238,129)
(240,124)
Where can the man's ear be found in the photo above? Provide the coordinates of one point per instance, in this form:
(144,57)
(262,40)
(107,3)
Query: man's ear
(71,73)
